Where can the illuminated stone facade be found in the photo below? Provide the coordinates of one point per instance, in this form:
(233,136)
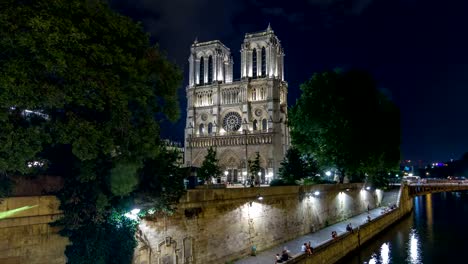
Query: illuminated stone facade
(238,118)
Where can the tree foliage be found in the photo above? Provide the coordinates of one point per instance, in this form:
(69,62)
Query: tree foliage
(345,122)
(254,168)
(209,167)
(297,166)
(80,90)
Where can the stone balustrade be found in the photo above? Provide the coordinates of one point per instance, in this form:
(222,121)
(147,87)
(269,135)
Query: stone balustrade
(236,140)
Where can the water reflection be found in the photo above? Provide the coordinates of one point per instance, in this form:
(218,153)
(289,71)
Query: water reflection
(414,248)
(434,233)
(385,253)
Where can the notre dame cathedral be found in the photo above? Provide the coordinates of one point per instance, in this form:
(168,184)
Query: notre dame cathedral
(238,117)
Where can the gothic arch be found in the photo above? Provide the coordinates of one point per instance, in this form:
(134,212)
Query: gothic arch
(228,158)
(202,71)
(210,69)
(254,63)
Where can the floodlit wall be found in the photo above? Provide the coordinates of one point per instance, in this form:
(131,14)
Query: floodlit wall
(209,226)
(25,233)
(219,225)
(336,249)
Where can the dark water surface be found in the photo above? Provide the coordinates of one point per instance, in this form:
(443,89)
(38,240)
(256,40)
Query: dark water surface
(436,232)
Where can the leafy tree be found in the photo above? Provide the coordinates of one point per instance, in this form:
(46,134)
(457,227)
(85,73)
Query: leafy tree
(345,122)
(161,180)
(80,90)
(209,167)
(292,167)
(254,169)
(297,166)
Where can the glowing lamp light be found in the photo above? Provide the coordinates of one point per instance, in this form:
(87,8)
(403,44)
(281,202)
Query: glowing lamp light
(316,193)
(260,198)
(259,173)
(133,214)
(226,173)
(368,188)
(328,173)
(135,211)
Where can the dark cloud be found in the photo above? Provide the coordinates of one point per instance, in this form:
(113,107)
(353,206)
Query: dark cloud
(354,7)
(174,24)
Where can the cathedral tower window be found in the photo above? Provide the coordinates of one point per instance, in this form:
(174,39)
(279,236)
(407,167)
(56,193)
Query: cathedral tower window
(210,128)
(201,129)
(263,62)
(202,71)
(254,94)
(254,63)
(210,69)
(255,125)
(264,124)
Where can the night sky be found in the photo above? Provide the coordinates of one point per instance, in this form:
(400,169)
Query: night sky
(416,50)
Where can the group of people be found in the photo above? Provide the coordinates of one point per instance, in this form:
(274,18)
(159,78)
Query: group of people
(285,256)
(307,248)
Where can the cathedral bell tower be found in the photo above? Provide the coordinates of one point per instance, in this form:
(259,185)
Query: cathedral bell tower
(238,118)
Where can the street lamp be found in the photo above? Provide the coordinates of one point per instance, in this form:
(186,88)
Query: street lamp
(226,174)
(245,125)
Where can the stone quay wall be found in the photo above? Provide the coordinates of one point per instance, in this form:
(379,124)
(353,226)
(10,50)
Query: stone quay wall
(25,233)
(221,225)
(335,249)
(209,226)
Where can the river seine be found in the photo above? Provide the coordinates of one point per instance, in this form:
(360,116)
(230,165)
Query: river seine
(435,232)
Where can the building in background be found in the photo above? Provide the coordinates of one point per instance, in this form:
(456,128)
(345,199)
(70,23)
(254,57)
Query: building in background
(238,118)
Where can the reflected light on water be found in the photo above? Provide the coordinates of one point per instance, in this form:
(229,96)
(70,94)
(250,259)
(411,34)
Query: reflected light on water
(414,251)
(385,253)
(373,260)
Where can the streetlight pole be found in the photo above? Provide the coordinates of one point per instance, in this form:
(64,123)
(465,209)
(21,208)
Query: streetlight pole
(245,124)
(191,145)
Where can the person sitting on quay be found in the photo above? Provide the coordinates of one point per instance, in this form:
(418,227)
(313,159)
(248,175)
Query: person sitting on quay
(309,249)
(285,256)
(334,234)
(368,218)
(278,259)
(304,248)
(349,228)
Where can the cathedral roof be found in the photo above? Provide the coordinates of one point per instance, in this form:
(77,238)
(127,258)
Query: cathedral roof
(208,43)
(267,31)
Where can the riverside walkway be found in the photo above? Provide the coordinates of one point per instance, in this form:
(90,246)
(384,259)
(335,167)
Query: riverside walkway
(317,238)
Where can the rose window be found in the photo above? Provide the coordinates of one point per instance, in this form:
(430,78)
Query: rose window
(232,121)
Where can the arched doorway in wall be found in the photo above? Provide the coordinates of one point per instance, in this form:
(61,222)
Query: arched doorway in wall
(231,170)
(233,175)
(262,176)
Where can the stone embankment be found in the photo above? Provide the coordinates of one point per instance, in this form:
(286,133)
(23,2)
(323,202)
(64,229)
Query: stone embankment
(209,226)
